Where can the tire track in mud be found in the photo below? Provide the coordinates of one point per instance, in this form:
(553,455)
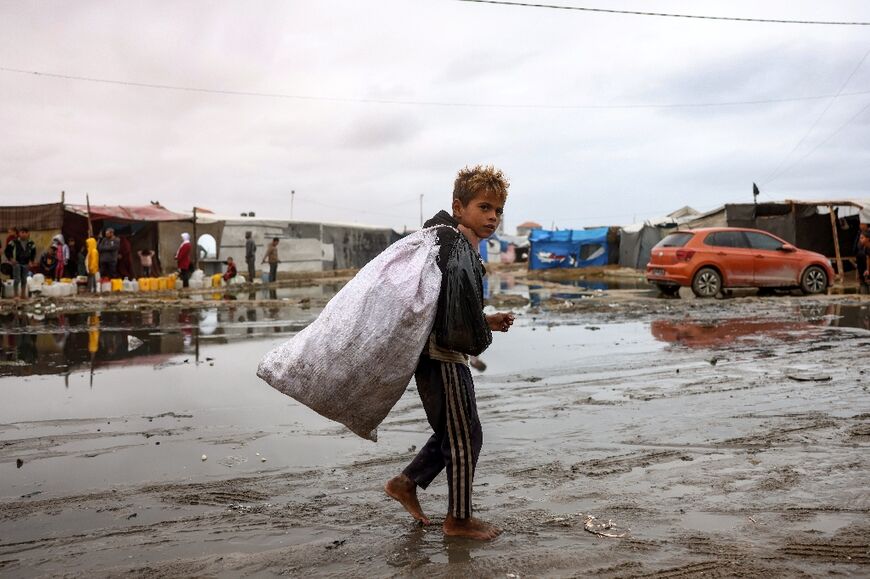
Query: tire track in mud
(618,464)
(855,552)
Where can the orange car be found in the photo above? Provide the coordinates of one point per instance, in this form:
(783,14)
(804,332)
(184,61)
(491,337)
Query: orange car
(710,259)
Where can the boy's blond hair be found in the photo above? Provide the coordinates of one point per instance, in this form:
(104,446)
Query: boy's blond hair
(470,182)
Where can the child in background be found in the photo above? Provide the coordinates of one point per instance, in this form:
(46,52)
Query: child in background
(146,257)
(92,263)
(231,270)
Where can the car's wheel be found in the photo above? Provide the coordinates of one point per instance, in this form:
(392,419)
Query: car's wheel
(814,280)
(668,290)
(707,283)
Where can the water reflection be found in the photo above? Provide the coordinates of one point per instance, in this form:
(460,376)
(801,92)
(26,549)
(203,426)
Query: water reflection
(718,333)
(66,343)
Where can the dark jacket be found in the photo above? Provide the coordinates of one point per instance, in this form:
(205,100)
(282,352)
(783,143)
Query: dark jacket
(250,250)
(108,249)
(23,252)
(460,324)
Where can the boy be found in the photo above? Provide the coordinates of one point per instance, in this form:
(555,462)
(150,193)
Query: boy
(443,378)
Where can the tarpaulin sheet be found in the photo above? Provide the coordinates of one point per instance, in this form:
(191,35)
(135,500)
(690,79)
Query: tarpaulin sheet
(129,213)
(568,248)
(48,216)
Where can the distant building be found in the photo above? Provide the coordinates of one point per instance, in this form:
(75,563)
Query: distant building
(523,229)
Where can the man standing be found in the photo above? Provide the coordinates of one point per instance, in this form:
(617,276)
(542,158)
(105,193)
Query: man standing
(272,257)
(250,255)
(23,255)
(182,257)
(108,247)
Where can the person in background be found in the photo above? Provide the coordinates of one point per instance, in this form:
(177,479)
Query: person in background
(23,256)
(12,235)
(108,247)
(72,257)
(182,258)
(250,255)
(61,254)
(863,262)
(272,257)
(231,272)
(125,257)
(82,260)
(146,259)
(92,263)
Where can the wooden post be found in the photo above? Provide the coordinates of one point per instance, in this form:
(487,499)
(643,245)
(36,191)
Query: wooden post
(837,255)
(194,245)
(90,224)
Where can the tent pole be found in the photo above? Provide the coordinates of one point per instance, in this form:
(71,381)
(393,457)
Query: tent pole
(839,258)
(90,224)
(195,244)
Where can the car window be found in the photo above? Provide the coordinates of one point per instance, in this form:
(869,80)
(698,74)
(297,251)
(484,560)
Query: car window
(675,240)
(762,241)
(726,239)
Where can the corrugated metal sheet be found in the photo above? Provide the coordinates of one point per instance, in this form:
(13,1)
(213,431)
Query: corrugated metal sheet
(128,213)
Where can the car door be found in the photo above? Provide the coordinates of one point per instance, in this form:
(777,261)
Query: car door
(731,253)
(773,267)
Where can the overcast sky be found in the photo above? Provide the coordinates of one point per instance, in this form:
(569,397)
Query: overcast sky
(366,162)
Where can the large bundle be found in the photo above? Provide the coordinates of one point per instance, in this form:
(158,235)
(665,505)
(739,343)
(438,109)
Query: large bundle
(354,362)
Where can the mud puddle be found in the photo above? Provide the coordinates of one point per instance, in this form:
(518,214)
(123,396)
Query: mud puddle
(679,425)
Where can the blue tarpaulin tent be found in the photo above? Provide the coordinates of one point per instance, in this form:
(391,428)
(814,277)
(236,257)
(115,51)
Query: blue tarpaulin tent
(568,248)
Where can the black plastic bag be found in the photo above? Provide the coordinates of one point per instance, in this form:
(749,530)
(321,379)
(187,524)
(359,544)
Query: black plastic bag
(460,324)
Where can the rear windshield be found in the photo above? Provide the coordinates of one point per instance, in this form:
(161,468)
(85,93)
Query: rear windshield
(675,240)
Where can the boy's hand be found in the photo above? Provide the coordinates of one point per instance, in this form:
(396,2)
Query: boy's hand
(500,322)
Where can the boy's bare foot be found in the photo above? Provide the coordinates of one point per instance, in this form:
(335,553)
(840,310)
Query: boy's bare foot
(470,528)
(404,490)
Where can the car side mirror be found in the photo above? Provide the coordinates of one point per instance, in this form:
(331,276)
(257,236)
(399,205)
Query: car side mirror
(788,248)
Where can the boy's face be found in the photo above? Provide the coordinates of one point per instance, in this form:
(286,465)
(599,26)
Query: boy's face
(482,214)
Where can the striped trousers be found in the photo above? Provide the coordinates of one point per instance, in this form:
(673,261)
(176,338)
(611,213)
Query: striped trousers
(447,392)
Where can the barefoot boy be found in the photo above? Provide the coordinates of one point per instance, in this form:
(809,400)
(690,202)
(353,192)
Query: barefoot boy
(442,375)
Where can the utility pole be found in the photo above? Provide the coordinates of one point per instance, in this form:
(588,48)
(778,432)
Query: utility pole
(292,195)
(421,211)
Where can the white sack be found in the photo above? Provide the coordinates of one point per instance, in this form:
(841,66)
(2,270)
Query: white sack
(353,363)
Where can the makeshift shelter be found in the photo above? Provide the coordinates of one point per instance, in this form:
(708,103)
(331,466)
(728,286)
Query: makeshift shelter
(43,221)
(636,241)
(568,248)
(151,227)
(826,227)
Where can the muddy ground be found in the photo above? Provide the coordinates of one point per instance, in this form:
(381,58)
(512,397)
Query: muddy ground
(718,438)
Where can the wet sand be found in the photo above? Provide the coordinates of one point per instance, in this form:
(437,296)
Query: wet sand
(722,438)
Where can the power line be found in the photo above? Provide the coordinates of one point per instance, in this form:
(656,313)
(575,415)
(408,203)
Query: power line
(823,142)
(668,15)
(317,98)
(775,173)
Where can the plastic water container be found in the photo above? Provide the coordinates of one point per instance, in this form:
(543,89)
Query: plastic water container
(134,286)
(161,283)
(117,285)
(8,288)
(143,284)
(216,280)
(38,278)
(106,286)
(179,284)
(126,285)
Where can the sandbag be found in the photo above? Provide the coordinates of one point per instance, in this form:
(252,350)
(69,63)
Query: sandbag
(353,363)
